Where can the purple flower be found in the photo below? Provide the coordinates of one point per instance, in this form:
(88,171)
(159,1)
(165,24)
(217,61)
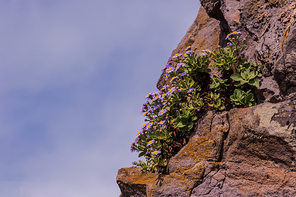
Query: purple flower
(155,108)
(178,89)
(203,53)
(150,142)
(177,55)
(243,53)
(232,33)
(165,67)
(161,112)
(146,113)
(163,95)
(148,126)
(188,48)
(188,52)
(164,126)
(190,90)
(183,74)
(173,78)
(161,122)
(170,69)
(172,90)
(155,97)
(156,152)
(145,107)
(164,88)
(212,75)
(148,96)
(151,94)
(165,76)
(143,126)
(207,51)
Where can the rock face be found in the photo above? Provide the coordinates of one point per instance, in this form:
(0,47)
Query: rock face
(241,152)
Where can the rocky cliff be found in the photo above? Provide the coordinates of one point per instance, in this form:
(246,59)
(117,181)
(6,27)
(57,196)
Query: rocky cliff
(241,152)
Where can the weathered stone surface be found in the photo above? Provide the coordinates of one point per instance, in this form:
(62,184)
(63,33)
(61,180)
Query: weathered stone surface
(133,183)
(285,69)
(212,8)
(243,152)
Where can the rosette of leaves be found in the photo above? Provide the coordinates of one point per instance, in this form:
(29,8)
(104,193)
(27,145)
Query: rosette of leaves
(218,83)
(185,121)
(246,77)
(224,58)
(197,64)
(243,99)
(215,101)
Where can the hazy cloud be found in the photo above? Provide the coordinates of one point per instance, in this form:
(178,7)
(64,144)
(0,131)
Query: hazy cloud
(74,75)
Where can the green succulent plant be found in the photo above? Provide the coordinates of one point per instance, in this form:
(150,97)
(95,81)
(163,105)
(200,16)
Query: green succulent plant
(241,98)
(215,101)
(246,77)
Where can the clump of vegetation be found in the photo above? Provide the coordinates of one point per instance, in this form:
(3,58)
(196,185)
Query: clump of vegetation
(171,113)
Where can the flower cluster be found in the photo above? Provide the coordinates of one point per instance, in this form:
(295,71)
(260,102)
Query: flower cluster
(171,112)
(165,107)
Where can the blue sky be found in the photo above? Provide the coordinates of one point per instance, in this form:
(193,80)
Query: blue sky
(73,78)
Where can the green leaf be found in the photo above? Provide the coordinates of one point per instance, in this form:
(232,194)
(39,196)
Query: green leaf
(245,74)
(235,77)
(141,154)
(162,163)
(254,82)
(180,125)
(190,127)
(142,148)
